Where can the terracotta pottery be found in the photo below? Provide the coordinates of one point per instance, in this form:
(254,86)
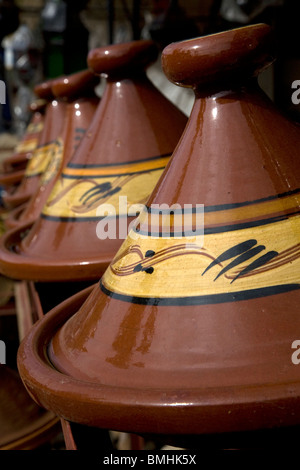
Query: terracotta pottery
(53,120)
(191,330)
(134,131)
(14,166)
(53,124)
(76,92)
(29,142)
(24,425)
(11,179)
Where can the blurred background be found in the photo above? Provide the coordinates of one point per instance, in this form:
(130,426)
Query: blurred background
(43,39)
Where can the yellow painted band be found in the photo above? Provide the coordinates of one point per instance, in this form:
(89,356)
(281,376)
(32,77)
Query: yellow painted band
(154,267)
(135,167)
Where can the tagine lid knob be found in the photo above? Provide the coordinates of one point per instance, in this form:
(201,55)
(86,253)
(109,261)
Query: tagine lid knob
(74,85)
(44,90)
(37,105)
(125,58)
(229,56)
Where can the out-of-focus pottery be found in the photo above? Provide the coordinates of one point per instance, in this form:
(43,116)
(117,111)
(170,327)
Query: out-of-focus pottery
(29,142)
(77,92)
(53,120)
(24,425)
(14,166)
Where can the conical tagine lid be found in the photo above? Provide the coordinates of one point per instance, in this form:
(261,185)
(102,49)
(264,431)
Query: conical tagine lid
(192,327)
(23,151)
(15,165)
(53,121)
(77,91)
(117,164)
(29,142)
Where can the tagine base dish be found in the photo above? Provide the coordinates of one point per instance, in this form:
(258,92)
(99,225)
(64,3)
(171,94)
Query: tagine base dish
(17,264)
(35,434)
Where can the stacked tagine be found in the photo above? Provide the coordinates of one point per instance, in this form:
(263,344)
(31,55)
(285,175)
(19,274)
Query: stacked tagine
(77,95)
(116,166)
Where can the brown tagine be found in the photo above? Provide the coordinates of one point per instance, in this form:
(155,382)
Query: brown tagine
(120,158)
(14,166)
(191,330)
(24,425)
(30,141)
(76,91)
(52,122)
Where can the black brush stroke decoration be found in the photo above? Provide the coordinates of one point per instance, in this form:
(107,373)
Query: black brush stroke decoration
(232,252)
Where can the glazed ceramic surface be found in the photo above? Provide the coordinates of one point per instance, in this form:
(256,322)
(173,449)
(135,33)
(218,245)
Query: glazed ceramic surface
(9,180)
(77,91)
(53,121)
(191,331)
(24,425)
(44,95)
(122,155)
(15,165)
(28,144)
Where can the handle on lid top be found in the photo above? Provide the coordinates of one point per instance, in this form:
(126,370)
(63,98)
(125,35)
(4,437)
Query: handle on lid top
(123,59)
(231,56)
(76,84)
(44,91)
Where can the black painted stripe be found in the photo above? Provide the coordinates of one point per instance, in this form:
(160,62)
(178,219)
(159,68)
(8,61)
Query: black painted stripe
(223,228)
(41,146)
(257,263)
(55,218)
(34,174)
(103,165)
(74,177)
(207,231)
(232,252)
(221,207)
(202,299)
